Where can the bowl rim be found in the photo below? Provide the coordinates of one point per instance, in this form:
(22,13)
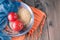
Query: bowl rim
(30,24)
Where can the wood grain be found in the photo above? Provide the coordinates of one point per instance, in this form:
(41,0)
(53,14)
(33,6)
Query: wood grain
(51,29)
(53,12)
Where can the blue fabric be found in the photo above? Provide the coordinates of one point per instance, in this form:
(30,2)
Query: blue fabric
(4,37)
(1,1)
(5,7)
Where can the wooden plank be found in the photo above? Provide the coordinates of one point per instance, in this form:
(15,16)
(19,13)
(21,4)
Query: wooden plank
(53,12)
(57,17)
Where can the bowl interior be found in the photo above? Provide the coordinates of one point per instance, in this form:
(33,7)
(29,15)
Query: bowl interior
(29,26)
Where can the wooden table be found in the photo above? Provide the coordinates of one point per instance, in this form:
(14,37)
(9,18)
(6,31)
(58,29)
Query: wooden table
(51,30)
